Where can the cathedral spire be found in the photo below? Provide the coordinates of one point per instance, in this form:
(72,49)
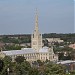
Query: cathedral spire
(36,37)
(36,22)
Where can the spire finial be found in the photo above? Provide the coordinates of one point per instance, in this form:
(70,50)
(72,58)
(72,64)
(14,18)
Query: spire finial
(36,11)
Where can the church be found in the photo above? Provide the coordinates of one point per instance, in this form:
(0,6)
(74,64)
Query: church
(36,52)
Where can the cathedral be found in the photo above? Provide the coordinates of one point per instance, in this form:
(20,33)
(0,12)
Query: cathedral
(36,52)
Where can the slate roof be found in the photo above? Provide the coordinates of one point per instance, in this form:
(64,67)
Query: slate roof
(25,51)
(16,52)
(44,49)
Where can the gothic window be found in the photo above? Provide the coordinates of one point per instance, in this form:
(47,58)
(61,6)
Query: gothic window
(53,56)
(33,35)
(46,57)
(49,57)
(41,57)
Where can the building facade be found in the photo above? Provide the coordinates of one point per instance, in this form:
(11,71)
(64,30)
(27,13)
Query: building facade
(36,52)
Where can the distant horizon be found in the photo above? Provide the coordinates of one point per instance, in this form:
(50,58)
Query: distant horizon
(18,17)
(30,34)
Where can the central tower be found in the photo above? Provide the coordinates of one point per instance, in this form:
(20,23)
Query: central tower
(36,37)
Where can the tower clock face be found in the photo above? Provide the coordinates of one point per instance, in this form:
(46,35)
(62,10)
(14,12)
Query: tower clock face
(34,42)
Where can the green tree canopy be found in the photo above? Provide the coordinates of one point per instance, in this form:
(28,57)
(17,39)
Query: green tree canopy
(53,69)
(7,60)
(20,59)
(1,65)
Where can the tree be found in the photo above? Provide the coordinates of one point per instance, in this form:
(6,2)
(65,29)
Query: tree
(53,69)
(72,54)
(45,42)
(20,59)
(7,60)
(33,71)
(39,62)
(13,47)
(4,71)
(22,69)
(1,65)
(6,63)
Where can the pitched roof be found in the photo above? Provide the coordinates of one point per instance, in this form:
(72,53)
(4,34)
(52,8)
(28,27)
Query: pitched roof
(16,52)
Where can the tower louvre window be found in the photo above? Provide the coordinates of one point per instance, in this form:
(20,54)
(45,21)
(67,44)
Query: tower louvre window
(33,35)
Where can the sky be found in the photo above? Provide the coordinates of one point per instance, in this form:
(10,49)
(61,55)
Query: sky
(18,16)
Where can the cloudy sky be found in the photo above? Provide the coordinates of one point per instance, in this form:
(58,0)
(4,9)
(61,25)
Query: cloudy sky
(18,16)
